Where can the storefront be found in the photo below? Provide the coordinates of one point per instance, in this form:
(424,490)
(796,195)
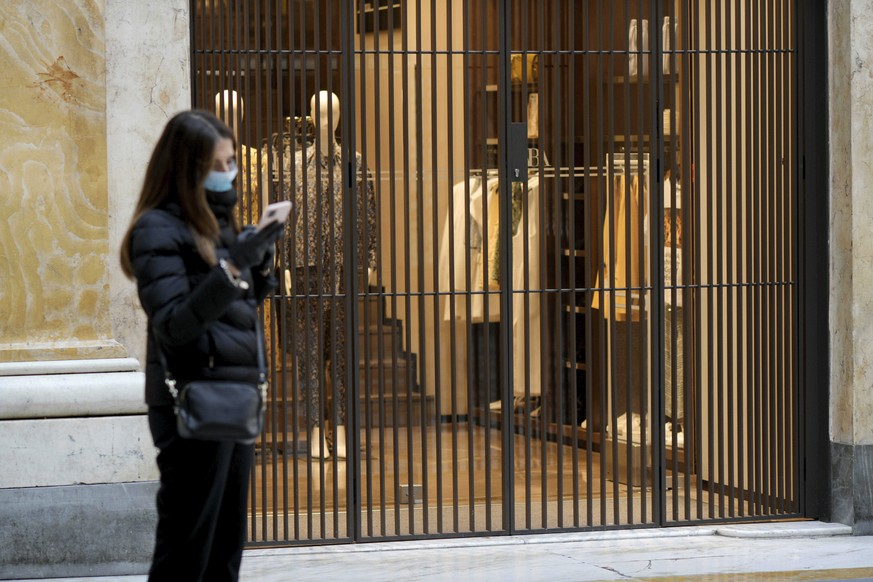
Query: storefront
(543,270)
(514,325)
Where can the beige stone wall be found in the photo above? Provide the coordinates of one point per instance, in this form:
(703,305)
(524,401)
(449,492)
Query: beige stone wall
(851,245)
(53,220)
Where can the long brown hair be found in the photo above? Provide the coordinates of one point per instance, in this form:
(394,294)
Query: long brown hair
(180,162)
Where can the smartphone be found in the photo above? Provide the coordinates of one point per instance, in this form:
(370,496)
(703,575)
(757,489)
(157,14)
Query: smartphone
(275,212)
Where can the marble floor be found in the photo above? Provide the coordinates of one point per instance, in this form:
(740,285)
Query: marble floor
(746,552)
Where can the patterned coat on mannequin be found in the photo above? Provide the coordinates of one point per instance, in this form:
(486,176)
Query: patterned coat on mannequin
(316,253)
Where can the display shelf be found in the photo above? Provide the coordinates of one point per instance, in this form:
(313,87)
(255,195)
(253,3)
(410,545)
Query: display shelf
(577,309)
(494,87)
(645,138)
(569,313)
(568,434)
(525,424)
(621,79)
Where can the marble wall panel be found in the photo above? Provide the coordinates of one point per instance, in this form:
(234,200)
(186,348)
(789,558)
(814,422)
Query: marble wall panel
(850,34)
(862,217)
(840,137)
(147,81)
(54,286)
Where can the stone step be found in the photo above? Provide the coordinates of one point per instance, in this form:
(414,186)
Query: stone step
(380,380)
(381,412)
(409,407)
(369,308)
(382,344)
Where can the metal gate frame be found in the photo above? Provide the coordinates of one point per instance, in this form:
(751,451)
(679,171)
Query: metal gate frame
(811,320)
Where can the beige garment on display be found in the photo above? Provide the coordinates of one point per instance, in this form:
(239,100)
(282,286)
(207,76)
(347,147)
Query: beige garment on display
(533,116)
(669,35)
(638,45)
(524,64)
(249,181)
(624,253)
(524,323)
(491,252)
(482,260)
(527,323)
(454,251)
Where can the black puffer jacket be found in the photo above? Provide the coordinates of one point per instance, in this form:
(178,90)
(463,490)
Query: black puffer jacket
(205,324)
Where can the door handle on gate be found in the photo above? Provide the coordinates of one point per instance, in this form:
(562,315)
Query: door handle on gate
(517,152)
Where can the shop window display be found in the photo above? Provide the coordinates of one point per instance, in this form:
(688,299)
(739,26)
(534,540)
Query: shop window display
(553,334)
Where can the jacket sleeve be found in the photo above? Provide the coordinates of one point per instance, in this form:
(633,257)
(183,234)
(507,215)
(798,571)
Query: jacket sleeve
(177,312)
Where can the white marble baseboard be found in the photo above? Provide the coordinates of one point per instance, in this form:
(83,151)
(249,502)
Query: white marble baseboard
(785,529)
(71,389)
(69,366)
(69,451)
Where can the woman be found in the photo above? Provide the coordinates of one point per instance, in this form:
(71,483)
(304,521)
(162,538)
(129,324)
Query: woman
(200,282)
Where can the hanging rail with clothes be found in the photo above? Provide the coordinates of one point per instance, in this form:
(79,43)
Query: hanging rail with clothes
(627,163)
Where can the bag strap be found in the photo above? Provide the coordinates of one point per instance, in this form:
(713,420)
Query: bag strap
(262,362)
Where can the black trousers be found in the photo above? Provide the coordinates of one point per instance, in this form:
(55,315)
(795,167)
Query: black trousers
(201,504)
(487,380)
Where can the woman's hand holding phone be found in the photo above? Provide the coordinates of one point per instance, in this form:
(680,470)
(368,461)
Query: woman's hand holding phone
(275,212)
(255,246)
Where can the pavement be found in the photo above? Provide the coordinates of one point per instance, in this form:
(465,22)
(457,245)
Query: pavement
(802,550)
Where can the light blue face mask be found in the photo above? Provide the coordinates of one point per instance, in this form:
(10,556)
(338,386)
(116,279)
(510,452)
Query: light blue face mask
(220,181)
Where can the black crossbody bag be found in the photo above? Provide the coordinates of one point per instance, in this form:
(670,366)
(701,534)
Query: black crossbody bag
(220,410)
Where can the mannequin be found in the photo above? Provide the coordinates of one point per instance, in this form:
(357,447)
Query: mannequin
(230,108)
(624,270)
(316,277)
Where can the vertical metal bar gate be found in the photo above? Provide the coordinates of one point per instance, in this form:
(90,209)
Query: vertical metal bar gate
(542,271)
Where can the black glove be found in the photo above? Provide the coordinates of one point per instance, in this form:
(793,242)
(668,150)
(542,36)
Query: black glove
(269,262)
(252,246)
